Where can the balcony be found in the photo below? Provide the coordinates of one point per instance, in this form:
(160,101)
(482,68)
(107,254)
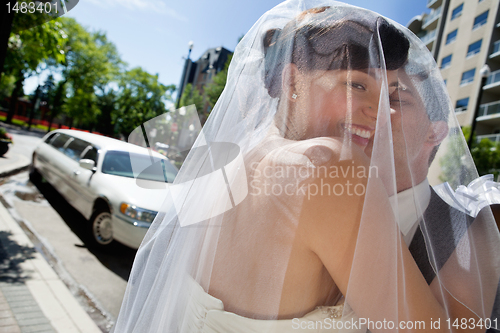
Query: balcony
(489,109)
(492,137)
(429,37)
(496,50)
(430,21)
(493,83)
(434,3)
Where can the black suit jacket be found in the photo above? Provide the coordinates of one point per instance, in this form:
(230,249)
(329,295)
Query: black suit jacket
(443,231)
(443,224)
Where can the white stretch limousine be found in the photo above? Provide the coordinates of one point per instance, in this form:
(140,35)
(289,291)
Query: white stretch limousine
(117,186)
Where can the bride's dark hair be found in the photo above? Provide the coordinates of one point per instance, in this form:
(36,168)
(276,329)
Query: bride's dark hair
(324,39)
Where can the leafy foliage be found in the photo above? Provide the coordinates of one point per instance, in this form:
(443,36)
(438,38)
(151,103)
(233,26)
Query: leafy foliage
(192,96)
(485,154)
(214,89)
(96,91)
(56,99)
(140,97)
(7,85)
(91,63)
(29,48)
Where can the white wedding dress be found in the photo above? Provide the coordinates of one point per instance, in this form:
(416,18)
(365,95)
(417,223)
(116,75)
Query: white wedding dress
(205,314)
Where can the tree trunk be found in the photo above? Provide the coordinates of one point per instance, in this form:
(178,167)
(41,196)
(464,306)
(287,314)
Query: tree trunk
(5,28)
(14,97)
(57,104)
(51,119)
(35,107)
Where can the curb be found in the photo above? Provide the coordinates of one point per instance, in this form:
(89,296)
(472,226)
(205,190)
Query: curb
(20,163)
(14,171)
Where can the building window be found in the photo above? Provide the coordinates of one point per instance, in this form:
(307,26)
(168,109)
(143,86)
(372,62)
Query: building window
(451,36)
(457,12)
(480,20)
(462,104)
(474,48)
(468,77)
(446,62)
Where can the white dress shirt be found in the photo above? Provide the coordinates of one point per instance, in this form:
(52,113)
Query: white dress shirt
(412,204)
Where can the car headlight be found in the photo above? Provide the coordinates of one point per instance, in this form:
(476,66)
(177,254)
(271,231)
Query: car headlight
(137,213)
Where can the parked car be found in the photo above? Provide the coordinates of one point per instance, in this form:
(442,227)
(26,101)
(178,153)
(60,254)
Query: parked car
(117,186)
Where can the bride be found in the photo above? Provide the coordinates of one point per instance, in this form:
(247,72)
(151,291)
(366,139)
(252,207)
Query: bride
(285,216)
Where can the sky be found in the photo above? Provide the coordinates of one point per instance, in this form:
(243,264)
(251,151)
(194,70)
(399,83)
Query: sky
(154,34)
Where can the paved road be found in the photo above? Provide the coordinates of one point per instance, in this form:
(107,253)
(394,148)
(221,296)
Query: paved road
(19,154)
(24,141)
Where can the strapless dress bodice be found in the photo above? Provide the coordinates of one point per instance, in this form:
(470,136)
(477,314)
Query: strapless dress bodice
(205,314)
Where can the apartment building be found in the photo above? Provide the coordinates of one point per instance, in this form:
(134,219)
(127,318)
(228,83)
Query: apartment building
(201,72)
(463,36)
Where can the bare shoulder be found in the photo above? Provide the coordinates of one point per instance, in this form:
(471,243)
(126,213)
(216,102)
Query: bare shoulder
(332,210)
(325,177)
(323,183)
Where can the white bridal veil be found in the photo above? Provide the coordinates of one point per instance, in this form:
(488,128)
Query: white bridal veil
(312,192)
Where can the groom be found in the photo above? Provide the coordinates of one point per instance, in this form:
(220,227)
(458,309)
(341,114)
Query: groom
(418,129)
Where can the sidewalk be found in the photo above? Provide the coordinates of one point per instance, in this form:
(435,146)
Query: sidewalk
(32,296)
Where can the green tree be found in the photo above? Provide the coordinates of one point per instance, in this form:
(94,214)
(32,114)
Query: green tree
(92,62)
(107,105)
(140,97)
(27,50)
(6,86)
(486,155)
(191,96)
(56,99)
(11,23)
(466,132)
(214,89)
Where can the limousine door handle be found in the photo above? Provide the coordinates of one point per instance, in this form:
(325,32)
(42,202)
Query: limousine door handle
(76,172)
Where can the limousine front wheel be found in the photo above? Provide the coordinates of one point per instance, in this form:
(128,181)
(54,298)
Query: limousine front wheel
(101,228)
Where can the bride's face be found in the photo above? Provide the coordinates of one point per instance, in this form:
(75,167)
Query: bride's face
(340,103)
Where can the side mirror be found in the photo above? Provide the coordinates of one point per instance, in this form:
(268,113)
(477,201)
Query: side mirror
(87,164)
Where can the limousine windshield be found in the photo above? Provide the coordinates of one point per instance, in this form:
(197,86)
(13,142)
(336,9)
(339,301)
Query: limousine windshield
(125,164)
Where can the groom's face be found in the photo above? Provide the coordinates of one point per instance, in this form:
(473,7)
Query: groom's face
(410,129)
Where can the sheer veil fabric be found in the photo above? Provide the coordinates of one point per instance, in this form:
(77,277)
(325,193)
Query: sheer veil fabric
(309,189)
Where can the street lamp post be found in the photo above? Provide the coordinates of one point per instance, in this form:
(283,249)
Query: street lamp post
(484,72)
(185,73)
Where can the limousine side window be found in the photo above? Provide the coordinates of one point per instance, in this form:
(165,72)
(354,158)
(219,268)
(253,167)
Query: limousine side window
(91,154)
(76,148)
(60,141)
(50,137)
